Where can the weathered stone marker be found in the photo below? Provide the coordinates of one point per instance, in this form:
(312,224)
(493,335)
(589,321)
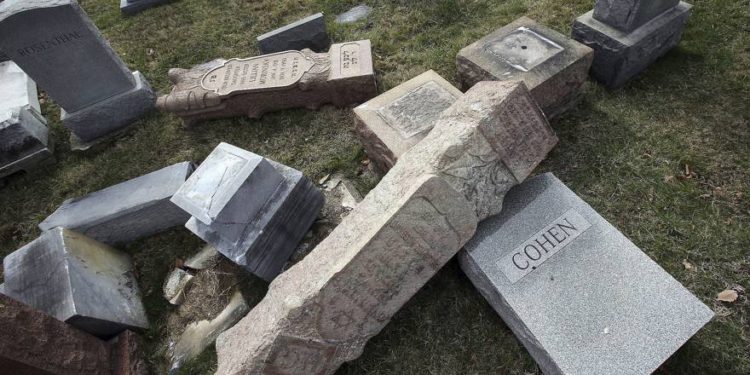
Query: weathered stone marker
(127,211)
(55,43)
(309,32)
(553,66)
(24,136)
(391,123)
(251,87)
(36,343)
(77,280)
(628,36)
(322,311)
(577,293)
(253,210)
(130,7)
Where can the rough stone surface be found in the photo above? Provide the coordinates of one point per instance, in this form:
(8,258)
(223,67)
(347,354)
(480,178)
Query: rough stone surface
(254,86)
(309,32)
(56,44)
(127,211)
(126,355)
(131,7)
(77,280)
(322,311)
(35,343)
(355,14)
(615,310)
(24,142)
(391,123)
(628,15)
(253,210)
(4,57)
(620,56)
(553,66)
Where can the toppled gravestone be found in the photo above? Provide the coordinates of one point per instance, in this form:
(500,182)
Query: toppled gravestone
(322,311)
(309,32)
(252,210)
(131,7)
(127,211)
(253,86)
(76,280)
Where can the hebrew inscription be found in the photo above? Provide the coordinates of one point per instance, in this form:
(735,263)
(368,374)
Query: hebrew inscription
(417,111)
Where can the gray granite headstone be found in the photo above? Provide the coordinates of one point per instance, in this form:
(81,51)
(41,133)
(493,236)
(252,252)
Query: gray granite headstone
(127,211)
(629,36)
(309,32)
(580,296)
(24,142)
(252,210)
(77,280)
(355,14)
(56,44)
(130,7)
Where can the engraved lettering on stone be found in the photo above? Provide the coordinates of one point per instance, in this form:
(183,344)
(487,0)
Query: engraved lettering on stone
(528,256)
(49,44)
(416,111)
(297,356)
(273,71)
(350,63)
(524,49)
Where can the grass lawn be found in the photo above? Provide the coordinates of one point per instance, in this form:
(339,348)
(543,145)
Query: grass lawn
(666,159)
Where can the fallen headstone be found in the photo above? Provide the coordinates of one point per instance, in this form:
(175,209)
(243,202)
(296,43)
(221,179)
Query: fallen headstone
(309,32)
(174,287)
(577,293)
(24,136)
(322,311)
(292,79)
(76,280)
(553,66)
(252,210)
(628,36)
(36,343)
(127,211)
(391,123)
(131,7)
(55,43)
(355,14)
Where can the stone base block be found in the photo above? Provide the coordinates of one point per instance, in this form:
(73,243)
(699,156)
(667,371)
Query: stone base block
(131,7)
(113,114)
(391,123)
(24,142)
(619,56)
(552,66)
(264,244)
(127,211)
(77,280)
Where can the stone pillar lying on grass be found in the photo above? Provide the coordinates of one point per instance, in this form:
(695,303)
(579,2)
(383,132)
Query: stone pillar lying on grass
(291,79)
(322,311)
(77,280)
(127,211)
(627,36)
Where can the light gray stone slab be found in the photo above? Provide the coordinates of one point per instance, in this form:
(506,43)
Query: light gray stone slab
(127,211)
(24,142)
(580,296)
(355,14)
(620,56)
(391,123)
(77,280)
(551,65)
(56,43)
(252,210)
(309,32)
(628,15)
(131,7)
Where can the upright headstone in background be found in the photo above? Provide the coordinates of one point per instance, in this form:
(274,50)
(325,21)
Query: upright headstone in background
(254,86)
(322,311)
(127,211)
(130,7)
(627,36)
(553,66)
(309,32)
(577,293)
(24,137)
(77,280)
(55,43)
(253,210)
(391,123)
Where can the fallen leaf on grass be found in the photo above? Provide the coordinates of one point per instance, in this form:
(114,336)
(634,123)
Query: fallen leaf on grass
(729,295)
(688,265)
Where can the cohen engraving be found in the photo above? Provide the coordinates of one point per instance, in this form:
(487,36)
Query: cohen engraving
(528,256)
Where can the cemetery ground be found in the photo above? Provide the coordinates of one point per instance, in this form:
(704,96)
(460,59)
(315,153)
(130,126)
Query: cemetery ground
(666,159)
